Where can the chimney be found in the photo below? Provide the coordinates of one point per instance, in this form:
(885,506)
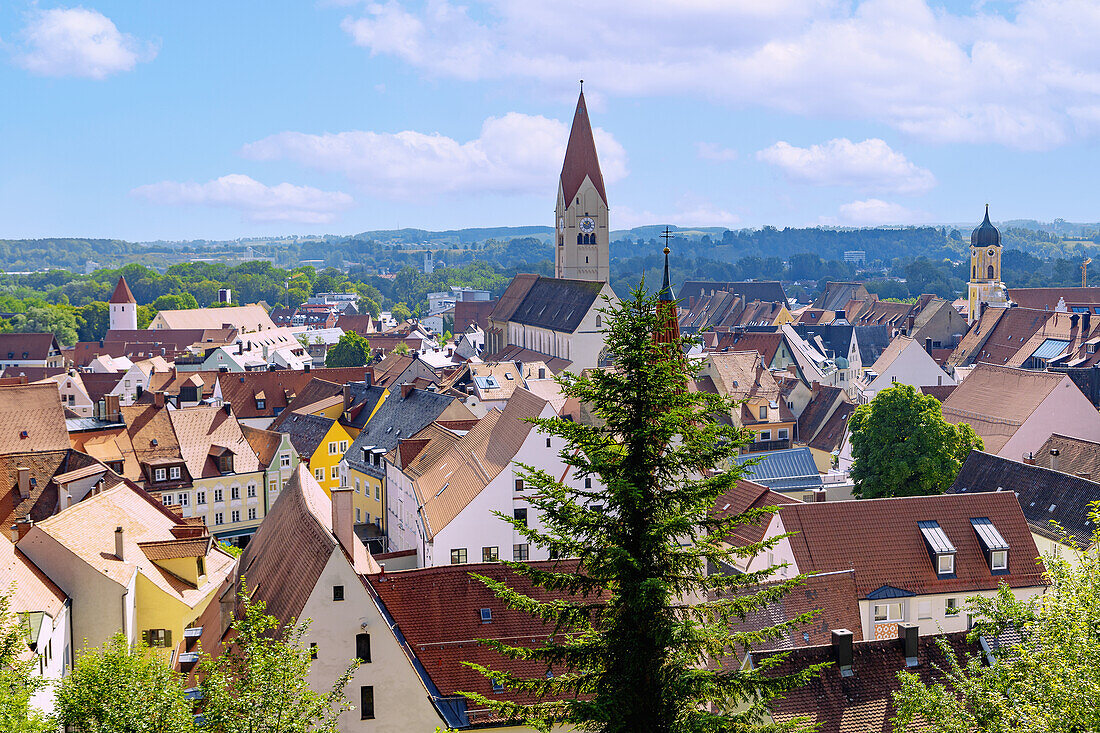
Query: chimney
(691,302)
(1054,453)
(815,388)
(842,651)
(1073,320)
(347,396)
(22,527)
(910,323)
(111,407)
(158,399)
(1086,322)
(342,518)
(1029,458)
(405,389)
(118,544)
(14,530)
(24,482)
(910,636)
(368,377)
(228,407)
(928,345)
(820,495)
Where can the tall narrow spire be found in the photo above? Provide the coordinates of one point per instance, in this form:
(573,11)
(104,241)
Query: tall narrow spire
(666,293)
(580,156)
(668,330)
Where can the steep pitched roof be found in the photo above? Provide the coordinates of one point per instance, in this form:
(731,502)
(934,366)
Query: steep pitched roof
(833,594)
(1047,298)
(33,410)
(438,612)
(862,702)
(892,352)
(831,435)
(872,341)
(27,346)
(87,529)
(881,540)
(285,557)
(306,432)
(202,430)
(1045,496)
(996,401)
(580,157)
(265,443)
(528,356)
(1075,455)
(122,293)
(767,344)
(817,411)
(557,304)
(837,294)
(46,468)
(741,374)
(400,416)
(743,496)
(28,588)
(997,335)
(279,388)
(768,291)
(513,296)
(246,318)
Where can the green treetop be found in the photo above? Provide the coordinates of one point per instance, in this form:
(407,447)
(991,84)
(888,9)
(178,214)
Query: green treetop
(634,648)
(17,679)
(351,350)
(902,446)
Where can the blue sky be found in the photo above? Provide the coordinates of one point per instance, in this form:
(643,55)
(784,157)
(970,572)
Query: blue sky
(245,118)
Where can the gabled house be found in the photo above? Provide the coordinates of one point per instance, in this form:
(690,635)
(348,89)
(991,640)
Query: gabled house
(277,458)
(321,443)
(822,424)
(131,565)
(741,375)
(916,559)
(29,350)
(905,361)
(1014,411)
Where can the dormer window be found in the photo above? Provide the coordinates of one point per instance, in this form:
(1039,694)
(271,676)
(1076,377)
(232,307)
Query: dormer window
(763,412)
(993,545)
(939,547)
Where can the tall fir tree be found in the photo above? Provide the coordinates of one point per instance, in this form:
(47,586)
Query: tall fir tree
(644,621)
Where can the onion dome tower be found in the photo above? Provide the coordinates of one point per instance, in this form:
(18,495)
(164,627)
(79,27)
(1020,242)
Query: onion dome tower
(986,288)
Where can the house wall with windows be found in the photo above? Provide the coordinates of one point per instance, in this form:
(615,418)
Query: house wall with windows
(233,504)
(324,464)
(283,465)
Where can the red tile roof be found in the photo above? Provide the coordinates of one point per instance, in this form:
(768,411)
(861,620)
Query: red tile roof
(580,157)
(743,496)
(880,539)
(122,293)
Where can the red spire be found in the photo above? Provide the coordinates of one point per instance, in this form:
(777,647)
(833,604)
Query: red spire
(122,293)
(580,157)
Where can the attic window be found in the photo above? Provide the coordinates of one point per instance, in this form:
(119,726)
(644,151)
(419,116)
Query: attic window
(993,544)
(22,433)
(939,547)
(486,615)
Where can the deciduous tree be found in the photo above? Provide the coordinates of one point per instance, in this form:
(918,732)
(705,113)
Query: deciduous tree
(351,350)
(17,679)
(902,446)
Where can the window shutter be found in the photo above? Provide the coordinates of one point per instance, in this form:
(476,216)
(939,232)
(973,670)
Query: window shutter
(168,638)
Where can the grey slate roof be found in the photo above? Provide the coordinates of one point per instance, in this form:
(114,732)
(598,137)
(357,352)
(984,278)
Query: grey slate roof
(783,470)
(837,338)
(1044,495)
(872,341)
(397,418)
(767,291)
(557,304)
(306,431)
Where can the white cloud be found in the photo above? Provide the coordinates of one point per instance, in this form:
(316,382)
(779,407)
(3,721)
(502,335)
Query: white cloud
(689,212)
(870,165)
(256,201)
(514,154)
(715,152)
(875,212)
(78,42)
(980,76)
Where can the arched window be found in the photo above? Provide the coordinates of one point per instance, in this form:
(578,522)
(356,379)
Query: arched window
(599,322)
(973,272)
(580,239)
(990,272)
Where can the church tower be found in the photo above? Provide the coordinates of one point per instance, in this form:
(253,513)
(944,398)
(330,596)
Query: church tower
(582,236)
(122,314)
(986,287)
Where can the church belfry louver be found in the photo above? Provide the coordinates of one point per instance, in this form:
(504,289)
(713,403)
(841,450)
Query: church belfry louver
(582,235)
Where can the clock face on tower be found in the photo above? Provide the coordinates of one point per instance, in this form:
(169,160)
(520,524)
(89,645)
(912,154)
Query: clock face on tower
(588,225)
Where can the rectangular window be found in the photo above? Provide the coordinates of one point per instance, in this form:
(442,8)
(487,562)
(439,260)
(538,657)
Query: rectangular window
(166,499)
(251,513)
(252,491)
(319,474)
(357,491)
(312,650)
(763,412)
(158,637)
(234,492)
(520,514)
(218,495)
(945,564)
(184,499)
(490,554)
(362,648)
(887,612)
(235,516)
(200,497)
(519,484)
(343,446)
(924,609)
(219,518)
(332,448)
(174,472)
(588,482)
(273,486)
(366,702)
(284,460)
(378,491)
(765,435)
(998,560)
(358,515)
(520,552)
(950,606)
(458,557)
(783,433)
(159,474)
(337,592)
(335,472)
